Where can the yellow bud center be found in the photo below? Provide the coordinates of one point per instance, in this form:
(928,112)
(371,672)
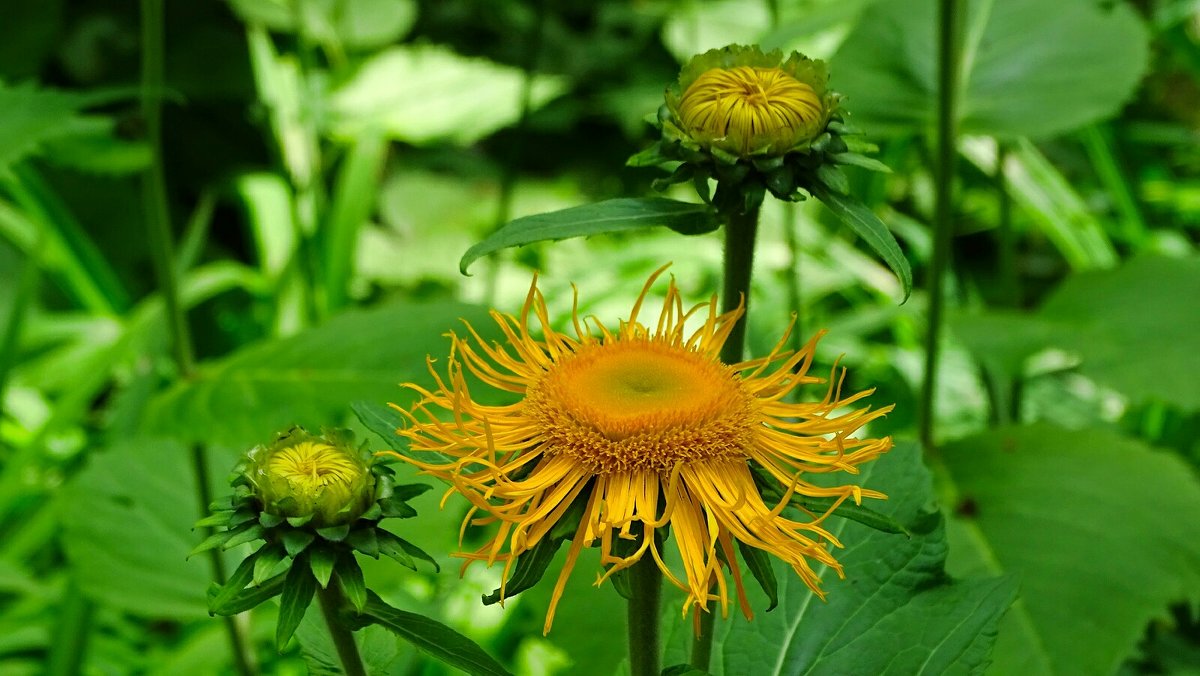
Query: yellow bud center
(311,466)
(745,109)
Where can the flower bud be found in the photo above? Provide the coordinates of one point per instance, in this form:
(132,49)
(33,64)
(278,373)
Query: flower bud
(323,479)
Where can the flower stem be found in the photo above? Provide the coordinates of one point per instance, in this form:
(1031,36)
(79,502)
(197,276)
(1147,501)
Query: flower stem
(740,233)
(646,585)
(158,226)
(943,225)
(331,599)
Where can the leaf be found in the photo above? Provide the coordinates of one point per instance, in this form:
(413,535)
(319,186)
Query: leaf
(379,648)
(127,521)
(759,564)
(298,589)
(432,637)
(1103,531)
(1117,319)
(241,577)
(251,597)
(350,576)
(427,93)
(615,215)
(321,560)
(1029,68)
(527,571)
(308,378)
(867,225)
(31,117)
(895,613)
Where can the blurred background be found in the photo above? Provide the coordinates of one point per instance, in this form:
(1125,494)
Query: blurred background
(327,163)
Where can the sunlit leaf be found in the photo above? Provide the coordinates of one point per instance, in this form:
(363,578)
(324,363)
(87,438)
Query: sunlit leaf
(859,218)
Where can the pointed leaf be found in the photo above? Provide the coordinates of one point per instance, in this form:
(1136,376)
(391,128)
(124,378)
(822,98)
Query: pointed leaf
(615,215)
(321,560)
(251,597)
(236,582)
(351,578)
(867,225)
(295,541)
(269,557)
(528,570)
(365,540)
(759,564)
(298,590)
(432,637)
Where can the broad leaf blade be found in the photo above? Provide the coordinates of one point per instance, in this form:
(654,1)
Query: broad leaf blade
(1100,529)
(867,225)
(615,215)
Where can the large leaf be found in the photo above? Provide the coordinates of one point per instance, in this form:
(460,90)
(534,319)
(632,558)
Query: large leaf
(32,119)
(895,613)
(1103,531)
(859,218)
(1145,312)
(127,528)
(420,94)
(615,215)
(1029,67)
(310,378)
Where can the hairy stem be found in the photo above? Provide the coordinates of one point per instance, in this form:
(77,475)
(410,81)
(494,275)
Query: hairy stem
(331,599)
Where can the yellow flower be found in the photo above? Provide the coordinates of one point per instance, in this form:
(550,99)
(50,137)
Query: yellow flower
(303,476)
(647,429)
(743,109)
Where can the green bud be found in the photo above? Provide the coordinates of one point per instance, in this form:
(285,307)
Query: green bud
(322,480)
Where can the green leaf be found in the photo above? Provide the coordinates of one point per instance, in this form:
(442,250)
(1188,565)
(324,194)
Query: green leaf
(426,93)
(615,215)
(298,589)
(321,560)
(350,575)
(307,379)
(432,637)
(30,118)
(296,541)
(381,651)
(759,564)
(241,577)
(896,612)
(868,163)
(269,557)
(527,571)
(867,225)
(362,24)
(127,537)
(1029,68)
(1101,529)
(365,540)
(335,533)
(1114,325)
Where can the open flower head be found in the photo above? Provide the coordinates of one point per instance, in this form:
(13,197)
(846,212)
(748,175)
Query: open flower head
(302,475)
(742,102)
(641,427)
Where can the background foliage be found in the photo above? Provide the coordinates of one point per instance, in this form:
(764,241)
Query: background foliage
(329,162)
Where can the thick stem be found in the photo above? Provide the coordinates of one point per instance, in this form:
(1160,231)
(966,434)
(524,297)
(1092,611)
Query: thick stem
(795,301)
(331,600)
(740,233)
(158,227)
(702,643)
(943,225)
(646,586)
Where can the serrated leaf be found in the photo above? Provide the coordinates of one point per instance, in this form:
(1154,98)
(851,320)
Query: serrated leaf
(609,216)
(528,570)
(895,613)
(432,637)
(298,590)
(321,560)
(350,576)
(867,225)
(1098,527)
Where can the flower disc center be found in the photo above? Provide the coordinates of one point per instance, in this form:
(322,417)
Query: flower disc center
(749,108)
(312,465)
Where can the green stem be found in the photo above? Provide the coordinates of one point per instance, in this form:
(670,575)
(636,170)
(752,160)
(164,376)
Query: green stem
(1010,280)
(793,282)
(740,233)
(331,600)
(646,586)
(71,629)
(943,225)
(10,334)
(158,226)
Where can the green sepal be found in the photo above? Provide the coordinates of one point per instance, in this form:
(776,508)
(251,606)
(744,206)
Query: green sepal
(236,582)
(402,551)
(781,182)
(334,533)
(242,515)
(295,541)
(834,178)
(364,540)
(855,159)
(839,127)
(395,508)
(211,542)
(298,589)
(650,157)
(767,164)
(350,576)
(269,557)
(373,513)
(218,519)
(733,174)
(759,564)
(321,560)
(223,504)
(528,570)
(407,492)
(299,521)
(249,597)
(253,531)
(703,189)
(723,157)
(269,520)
